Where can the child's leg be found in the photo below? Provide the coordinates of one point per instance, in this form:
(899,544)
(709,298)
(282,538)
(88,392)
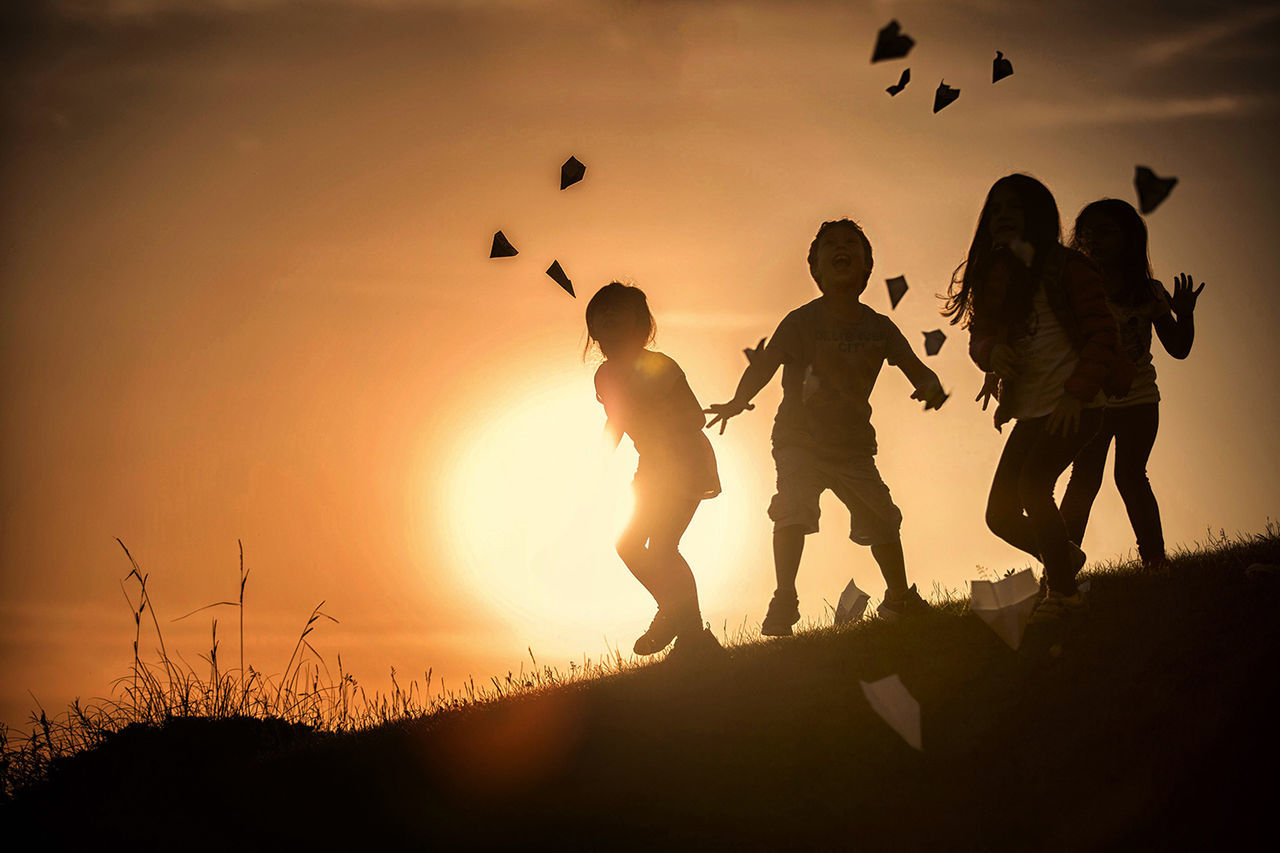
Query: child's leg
(669,567)
(1086,479)
(1004,506)
(632,545)
(1047,458)
(893,566)
(788,545)
(1136,428)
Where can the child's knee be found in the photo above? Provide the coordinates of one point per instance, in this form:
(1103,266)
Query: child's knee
(629,548)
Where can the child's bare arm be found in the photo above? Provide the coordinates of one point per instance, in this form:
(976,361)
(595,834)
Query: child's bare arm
(1177,330)
(928,387)
(762,364)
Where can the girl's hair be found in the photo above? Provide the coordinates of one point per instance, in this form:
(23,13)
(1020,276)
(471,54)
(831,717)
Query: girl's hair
(616,296)
(1042,228)
(1133,263)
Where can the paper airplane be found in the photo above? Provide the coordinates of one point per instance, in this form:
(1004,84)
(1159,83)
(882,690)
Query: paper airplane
(1006,604)
(502,247)
(753,354)
(933,341)
(558,276)
(852,604)
(892,43)
(944,96)
(1151,189)
(889,698)
(571,172)
(902,82)
(897,289)
(1000,67)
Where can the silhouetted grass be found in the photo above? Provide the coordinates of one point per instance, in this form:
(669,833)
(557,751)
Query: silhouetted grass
(1140,733)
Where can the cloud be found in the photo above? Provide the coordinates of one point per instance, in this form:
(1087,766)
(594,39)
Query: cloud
(1205,34)
(1130,110)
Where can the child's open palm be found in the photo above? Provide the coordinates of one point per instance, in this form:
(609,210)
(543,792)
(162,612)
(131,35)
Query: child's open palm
(1184,298)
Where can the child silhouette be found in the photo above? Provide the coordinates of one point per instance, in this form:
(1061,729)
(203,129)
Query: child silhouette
(1112,234)
(1038,320)
(646,396)
(831,351)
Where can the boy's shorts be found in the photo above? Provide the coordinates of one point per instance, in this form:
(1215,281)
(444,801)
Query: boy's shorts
(804,475)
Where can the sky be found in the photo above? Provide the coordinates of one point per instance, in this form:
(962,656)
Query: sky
(247,298)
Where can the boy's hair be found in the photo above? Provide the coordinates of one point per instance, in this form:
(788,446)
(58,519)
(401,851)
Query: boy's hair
(618,296)
(1134,264)
(823,229)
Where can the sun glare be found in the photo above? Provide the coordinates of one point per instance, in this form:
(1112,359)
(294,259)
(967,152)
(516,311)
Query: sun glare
(534,503)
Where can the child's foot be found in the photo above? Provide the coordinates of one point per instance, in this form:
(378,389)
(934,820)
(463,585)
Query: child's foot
(1077,558)
(1158,565)
(662,630)
(699,645)
(784,611)
(906,605)
(1056,608)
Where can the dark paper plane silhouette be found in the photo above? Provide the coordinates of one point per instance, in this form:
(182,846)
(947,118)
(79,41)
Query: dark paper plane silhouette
(1152,190)
(502,247)
(892,43)
(944,96)
(1000,67)
(557,275)
(933,341)
(897,289)
(902,82)
(753,354)
(571,172)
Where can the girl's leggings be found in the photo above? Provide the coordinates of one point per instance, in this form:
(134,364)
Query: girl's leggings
(1134,430)
(1020,508)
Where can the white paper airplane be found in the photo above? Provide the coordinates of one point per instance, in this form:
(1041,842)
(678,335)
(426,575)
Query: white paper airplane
(889,698)
(852,604)
(1006,605)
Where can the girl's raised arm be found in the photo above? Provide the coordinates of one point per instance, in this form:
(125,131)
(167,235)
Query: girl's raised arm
(1177,331)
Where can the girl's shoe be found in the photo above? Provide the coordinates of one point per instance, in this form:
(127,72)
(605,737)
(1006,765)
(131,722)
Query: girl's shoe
(699,645)
(1056,608)
(662,630)
(784,611)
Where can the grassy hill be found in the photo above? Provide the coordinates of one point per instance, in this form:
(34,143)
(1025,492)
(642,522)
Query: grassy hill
(1153,728)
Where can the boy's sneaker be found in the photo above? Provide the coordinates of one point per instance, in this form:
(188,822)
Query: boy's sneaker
(699,645)
(784,611)
(662,630)
(1056,608)
(910,604)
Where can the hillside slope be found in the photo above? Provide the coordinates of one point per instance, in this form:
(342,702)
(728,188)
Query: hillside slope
(1154,727)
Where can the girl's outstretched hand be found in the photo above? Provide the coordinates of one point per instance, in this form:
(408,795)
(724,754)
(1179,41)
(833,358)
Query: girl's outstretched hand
(1065,419)
(1184,298)
(932,395)
(990,387)
(724,411)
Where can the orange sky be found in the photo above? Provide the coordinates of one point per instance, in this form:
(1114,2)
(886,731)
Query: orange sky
(246,295)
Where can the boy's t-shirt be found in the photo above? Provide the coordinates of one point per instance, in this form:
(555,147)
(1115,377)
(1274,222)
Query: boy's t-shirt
(829,367)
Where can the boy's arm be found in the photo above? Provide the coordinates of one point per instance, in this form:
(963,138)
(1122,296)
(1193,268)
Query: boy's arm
(928,387)
(762,364)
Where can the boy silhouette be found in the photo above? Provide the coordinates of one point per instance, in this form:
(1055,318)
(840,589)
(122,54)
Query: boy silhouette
(831,351)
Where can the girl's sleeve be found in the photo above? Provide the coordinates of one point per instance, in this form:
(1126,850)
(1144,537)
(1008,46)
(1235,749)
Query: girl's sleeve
(1097,329)
(984,328)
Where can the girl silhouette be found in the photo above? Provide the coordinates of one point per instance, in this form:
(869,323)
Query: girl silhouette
(645,395)
(1112,234)
(1038,319)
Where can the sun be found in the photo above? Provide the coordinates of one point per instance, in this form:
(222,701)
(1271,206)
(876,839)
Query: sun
(534,501)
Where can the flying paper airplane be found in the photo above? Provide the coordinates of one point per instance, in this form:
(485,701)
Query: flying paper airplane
(558,276)
(889,698)
(892,43)
(852,604)
(933,341)
(944,96)
(753,354)
(897,289)
(571,172)
(1151,189)
(1006,604)
(902,82)
(1000,67)
(502,247)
